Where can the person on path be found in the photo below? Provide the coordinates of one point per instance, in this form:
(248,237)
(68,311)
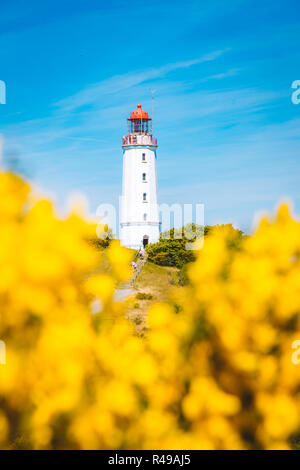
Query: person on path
(133,264)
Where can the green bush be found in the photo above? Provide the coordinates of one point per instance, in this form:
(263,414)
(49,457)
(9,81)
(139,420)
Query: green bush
(171,251)
(143,296)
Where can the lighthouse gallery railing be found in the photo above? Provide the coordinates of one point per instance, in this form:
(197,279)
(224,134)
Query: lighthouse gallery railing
(134,139)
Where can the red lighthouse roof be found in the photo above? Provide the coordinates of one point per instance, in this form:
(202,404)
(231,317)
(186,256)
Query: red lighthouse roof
(139,113)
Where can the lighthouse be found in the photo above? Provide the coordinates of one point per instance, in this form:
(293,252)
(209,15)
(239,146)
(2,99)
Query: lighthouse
(139,221)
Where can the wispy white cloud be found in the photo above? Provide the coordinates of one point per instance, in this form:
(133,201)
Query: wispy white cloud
(115,84)
(220,76)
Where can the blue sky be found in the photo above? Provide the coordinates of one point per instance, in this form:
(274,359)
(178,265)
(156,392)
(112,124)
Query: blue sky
(222,72)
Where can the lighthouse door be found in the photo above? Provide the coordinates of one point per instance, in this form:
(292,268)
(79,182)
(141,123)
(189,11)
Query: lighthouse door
(145,240)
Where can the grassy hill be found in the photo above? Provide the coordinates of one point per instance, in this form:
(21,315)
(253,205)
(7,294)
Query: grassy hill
(154,284)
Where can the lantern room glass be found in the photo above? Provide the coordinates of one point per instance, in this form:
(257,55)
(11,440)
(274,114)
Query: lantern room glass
(139,126)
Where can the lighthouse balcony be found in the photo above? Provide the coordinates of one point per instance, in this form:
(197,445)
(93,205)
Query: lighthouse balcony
(142,139)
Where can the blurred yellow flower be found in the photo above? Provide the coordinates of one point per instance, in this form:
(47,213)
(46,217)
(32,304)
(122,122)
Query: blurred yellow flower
(217,375)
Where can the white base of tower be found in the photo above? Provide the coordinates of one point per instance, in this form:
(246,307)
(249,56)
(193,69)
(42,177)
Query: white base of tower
(134,236)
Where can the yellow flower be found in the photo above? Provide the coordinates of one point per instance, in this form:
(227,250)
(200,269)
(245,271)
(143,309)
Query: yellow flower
(280,415)
(4,428)
(101,285)
(119,258)
(217,375)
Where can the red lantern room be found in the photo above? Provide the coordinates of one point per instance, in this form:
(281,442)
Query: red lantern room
(139,122)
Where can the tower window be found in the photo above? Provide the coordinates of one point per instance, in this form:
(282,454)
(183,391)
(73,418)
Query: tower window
(145,217)
(144,197)
(143,157)
(144,176)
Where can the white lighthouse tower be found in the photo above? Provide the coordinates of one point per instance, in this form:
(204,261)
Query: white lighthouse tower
(139,208)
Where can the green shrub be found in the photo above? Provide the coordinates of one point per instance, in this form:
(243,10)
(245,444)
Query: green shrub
(171,251)
(143,296)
